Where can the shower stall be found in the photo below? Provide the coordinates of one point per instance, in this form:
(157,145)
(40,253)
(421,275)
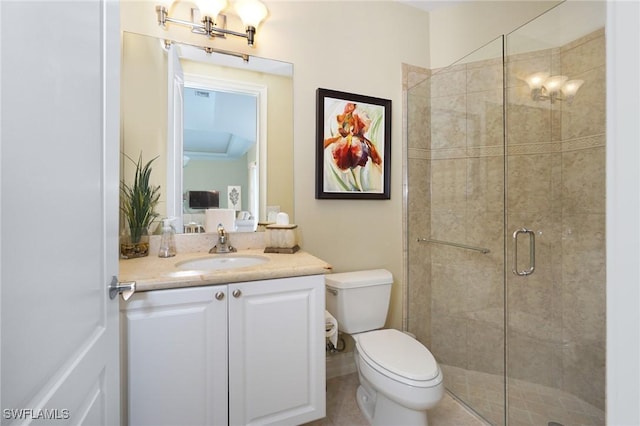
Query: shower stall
(505,175)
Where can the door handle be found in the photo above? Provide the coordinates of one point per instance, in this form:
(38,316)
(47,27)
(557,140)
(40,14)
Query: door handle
(116,287)
(532,252)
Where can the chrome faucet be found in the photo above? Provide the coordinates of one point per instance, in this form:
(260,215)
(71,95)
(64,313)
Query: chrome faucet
(223,245)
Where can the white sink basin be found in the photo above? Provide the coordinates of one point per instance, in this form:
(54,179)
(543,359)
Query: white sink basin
(219,262)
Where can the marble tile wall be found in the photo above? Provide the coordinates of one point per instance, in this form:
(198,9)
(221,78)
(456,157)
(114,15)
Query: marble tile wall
(554,186)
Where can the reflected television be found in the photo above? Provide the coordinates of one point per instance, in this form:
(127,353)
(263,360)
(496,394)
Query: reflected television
(204,199)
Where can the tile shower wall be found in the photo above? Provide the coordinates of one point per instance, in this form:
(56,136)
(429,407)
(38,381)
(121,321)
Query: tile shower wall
(555,186)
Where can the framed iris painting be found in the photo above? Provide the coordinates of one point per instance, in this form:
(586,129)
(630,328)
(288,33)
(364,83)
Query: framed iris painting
(353,146)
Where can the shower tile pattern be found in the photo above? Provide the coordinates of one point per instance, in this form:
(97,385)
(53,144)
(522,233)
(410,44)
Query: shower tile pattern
(555,159)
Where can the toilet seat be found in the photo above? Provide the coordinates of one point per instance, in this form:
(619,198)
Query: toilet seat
(399,357)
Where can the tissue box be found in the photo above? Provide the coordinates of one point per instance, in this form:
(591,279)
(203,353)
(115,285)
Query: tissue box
(281,239)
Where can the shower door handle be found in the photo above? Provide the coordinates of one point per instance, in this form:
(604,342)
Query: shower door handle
(532,252)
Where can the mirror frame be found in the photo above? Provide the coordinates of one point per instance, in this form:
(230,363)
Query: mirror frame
(175,144)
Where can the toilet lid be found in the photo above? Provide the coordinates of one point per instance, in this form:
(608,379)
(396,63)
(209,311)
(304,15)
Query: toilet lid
(399,353)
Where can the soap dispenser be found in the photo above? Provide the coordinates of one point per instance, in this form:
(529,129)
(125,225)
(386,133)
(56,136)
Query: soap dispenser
(168,241)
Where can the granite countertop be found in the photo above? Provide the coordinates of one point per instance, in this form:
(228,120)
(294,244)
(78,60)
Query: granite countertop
(155,273)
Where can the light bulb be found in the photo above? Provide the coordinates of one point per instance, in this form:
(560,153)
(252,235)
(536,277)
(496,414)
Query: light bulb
(535,81)
(165,3)
(252,12)
(554,83)
(211,8)
(571,87)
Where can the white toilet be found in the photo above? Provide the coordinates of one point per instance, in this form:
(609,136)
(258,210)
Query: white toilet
(399,378)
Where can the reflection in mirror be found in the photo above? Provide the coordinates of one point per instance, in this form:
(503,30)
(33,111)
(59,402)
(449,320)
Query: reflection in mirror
(219,152)
(212,119)
(216,142)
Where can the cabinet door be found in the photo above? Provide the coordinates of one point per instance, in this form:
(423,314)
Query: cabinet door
(277,351)
(176,343)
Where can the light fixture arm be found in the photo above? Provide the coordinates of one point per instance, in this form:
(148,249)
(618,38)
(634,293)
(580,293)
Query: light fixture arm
(163,18)
(209,49)
(208,26)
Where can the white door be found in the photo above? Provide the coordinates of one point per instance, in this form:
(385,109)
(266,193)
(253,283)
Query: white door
(59,211)
(175,127)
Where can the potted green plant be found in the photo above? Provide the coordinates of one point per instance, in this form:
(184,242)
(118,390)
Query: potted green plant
(137,203)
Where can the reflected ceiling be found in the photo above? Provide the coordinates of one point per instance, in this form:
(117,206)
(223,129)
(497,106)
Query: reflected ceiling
(218,124)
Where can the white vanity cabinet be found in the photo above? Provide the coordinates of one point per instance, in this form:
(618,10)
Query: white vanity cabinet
(239,354)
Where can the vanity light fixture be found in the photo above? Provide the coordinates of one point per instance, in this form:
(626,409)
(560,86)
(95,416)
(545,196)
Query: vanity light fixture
(251,12)
(554,88)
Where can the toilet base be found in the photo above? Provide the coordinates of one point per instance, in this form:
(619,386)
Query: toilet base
(366,403)
(381,411)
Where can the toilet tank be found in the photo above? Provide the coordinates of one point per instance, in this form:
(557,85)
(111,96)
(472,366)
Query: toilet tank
(359,300)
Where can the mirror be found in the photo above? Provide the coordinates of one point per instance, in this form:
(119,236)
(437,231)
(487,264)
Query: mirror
(244,152)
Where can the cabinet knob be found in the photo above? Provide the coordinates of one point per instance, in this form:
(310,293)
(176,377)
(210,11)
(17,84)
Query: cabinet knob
(219,295)
(236,293)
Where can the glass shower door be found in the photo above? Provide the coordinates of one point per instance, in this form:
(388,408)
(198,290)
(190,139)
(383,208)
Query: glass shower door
(456,225)
(555,217)
(506,220)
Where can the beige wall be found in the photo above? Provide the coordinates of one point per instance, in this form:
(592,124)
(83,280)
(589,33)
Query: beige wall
(143,100)
(356,58)
(340,46)
(358,47)
(457,31)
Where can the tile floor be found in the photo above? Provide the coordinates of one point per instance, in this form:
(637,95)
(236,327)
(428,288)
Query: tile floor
(342,408)
(530,404)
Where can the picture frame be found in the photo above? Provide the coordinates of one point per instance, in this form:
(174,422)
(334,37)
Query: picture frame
(234,197)
(353,146)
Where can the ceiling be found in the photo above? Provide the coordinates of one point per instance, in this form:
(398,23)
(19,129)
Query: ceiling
(547,32)
(217,124)
(430,5)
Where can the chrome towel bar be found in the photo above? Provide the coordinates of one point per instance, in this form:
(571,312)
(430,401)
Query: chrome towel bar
(446,243)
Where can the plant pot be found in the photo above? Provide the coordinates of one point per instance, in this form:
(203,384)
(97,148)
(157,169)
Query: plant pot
(135,244)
